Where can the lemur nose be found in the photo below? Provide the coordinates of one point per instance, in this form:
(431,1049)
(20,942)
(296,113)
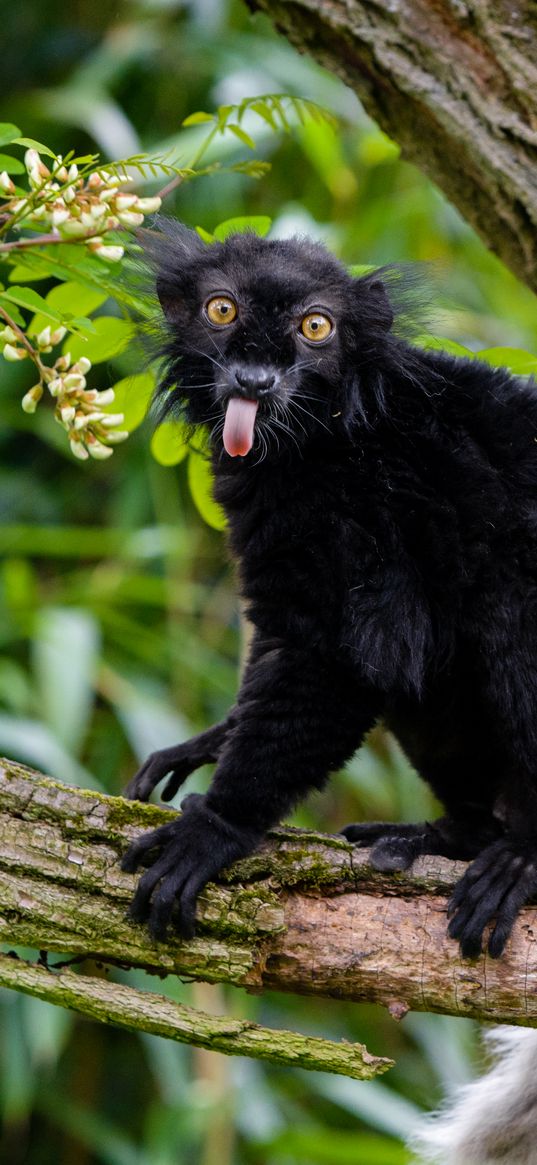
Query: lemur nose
(255,380)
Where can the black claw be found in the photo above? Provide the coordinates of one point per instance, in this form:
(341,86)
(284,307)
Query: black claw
(493,890)
(181,858)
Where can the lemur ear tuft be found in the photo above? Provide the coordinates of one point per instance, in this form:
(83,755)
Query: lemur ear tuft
(380,305)
(170,251)
(171,300)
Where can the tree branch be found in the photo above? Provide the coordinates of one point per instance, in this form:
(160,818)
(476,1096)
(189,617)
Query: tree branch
(454,82)
(108,1002)
(303,914)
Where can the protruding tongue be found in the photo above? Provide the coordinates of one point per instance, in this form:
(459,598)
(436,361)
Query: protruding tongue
(239,426)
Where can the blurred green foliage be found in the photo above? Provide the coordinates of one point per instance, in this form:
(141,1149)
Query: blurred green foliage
(119,629)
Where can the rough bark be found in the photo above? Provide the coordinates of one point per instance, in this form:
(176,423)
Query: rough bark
(126,1007)
(454,82)
(304,914)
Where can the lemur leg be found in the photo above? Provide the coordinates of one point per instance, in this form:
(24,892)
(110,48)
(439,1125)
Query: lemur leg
(396,846)
(298,716)
(503,877)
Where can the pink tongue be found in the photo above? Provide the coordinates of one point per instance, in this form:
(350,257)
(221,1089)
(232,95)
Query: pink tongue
(239,426)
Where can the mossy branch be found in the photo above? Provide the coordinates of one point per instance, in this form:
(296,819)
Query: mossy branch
(126,1007)
(304,914)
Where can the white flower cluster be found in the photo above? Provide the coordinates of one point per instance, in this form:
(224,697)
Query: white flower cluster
(79,410)
(73,207)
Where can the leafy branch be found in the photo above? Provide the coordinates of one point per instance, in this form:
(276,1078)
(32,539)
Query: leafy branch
(77,219)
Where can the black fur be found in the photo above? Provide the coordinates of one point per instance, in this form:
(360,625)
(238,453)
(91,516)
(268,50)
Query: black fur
(385,528)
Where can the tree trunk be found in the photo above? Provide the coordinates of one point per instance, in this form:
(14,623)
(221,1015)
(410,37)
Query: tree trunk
(304,913)
(454,82)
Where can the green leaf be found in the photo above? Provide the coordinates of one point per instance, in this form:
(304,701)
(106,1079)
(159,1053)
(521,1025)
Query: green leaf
(254,169)
(31,144)
(71,300)
(8,132)
(203,234)
(28,298)
(25,297)
(26,274)
(375,148)
(223,114)
(16,316)
(358,269)
(200,481)
(242,136)
(264,111)
(442,344)
(516,359)
(11,165)
(258,224)
(132,398)
(71,262)
(169,443)
(198,118)
(111,338)
(65,650)
(319,1146)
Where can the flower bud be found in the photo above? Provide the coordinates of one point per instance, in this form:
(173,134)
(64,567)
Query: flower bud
(128,218)
(6,185)
(148,205)
(59,214)
(73,229)
(36,169)
(124,201)
(74,380)
(108,254)
(69,194)
(55,386)
(106,397)
(97,449)
(82,365)
(63,362)
(78,449)
(115,438)
(67,414)
(43,339)
(57,335)
(7,333)
(31,399)
(111,419)
(12,354)
(88,222)
(83,420)
(72,172)
(98,211)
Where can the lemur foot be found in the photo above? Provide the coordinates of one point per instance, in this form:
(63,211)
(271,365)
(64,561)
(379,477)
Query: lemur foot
(395,846)
(494,888)
(181,858)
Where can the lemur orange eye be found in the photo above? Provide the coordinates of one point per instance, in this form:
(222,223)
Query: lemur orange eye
(316,327)
(221,310)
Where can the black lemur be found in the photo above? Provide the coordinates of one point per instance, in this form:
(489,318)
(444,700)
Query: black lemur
(382,510)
